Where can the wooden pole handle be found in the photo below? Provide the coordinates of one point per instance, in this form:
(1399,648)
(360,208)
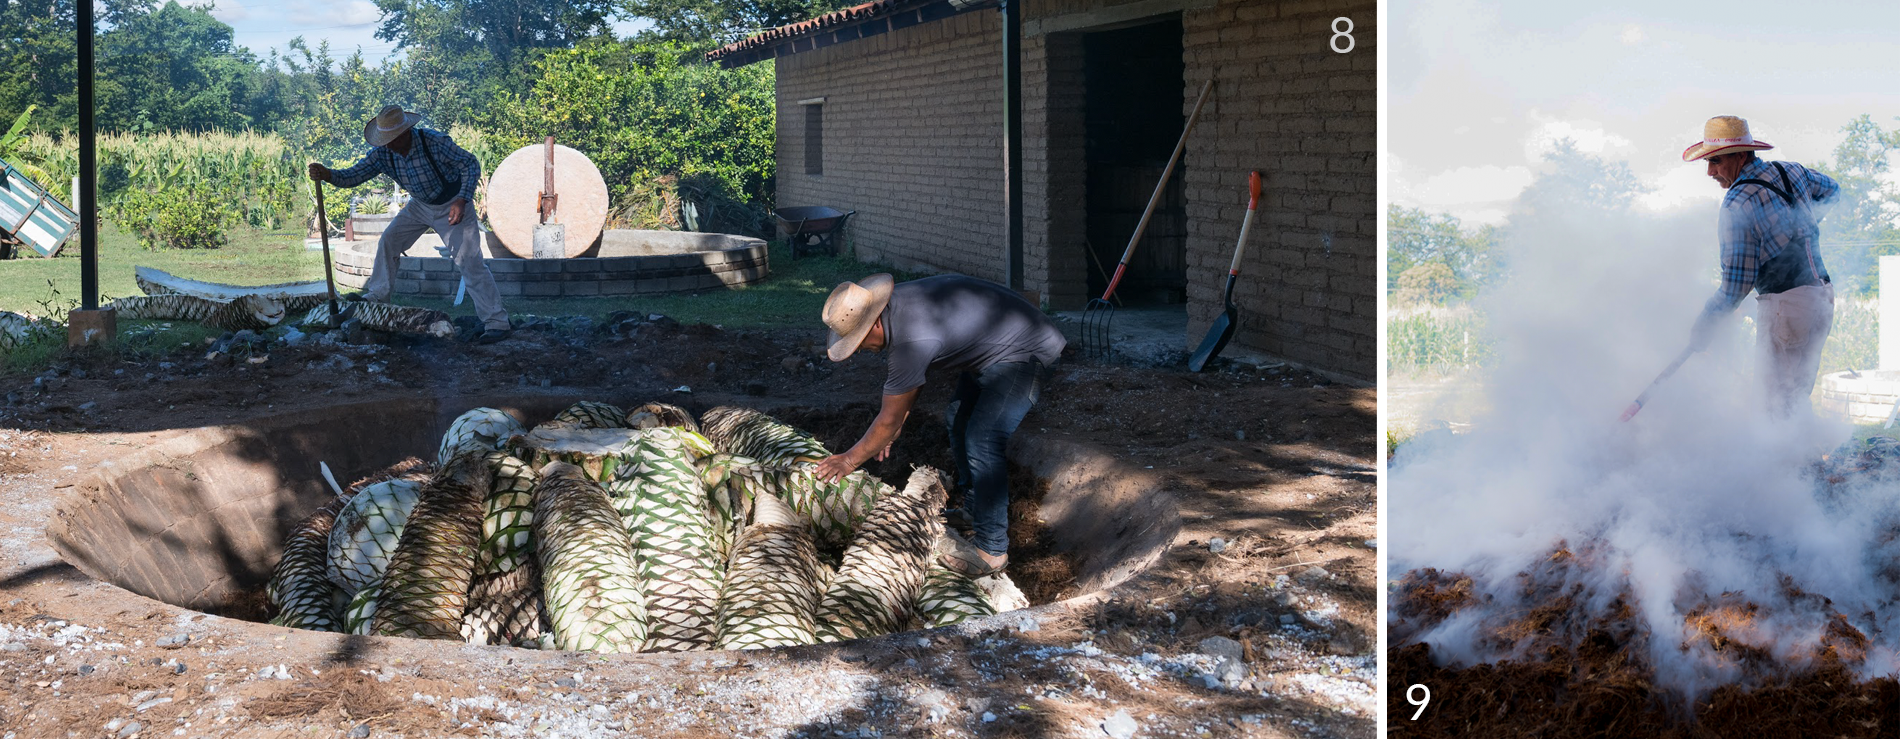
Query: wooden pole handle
(1155,199)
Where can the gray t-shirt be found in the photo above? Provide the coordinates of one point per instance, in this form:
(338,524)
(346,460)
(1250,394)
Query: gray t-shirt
(954,322)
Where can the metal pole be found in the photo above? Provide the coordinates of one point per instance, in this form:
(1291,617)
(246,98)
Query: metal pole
(1013,136)
(88,169)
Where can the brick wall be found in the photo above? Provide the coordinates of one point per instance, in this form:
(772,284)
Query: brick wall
(913,125)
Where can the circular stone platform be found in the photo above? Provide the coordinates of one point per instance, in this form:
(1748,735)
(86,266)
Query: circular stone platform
(1865,397)
(621,262)
(198,521)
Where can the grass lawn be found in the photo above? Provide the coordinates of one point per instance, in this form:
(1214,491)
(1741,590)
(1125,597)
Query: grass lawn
(791,297)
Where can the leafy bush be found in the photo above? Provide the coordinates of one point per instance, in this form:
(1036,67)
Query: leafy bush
(190,217)
(642,111)
(372,205)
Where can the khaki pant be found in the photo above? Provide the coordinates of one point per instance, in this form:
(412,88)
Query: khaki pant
(1791,328)
(464,241)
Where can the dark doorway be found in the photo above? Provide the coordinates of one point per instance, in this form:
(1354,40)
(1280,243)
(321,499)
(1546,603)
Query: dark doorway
(1134,83)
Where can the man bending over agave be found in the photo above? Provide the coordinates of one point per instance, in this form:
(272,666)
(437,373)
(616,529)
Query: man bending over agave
(997,342)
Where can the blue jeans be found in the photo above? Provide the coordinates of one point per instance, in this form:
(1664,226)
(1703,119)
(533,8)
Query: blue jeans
(986,410)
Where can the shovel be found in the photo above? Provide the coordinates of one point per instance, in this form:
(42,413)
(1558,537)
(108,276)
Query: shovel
(336,317)
(1630,412)
(550,239)
(1223,328)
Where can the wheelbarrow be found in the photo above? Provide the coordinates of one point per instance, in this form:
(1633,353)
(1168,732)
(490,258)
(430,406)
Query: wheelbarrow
(810,228)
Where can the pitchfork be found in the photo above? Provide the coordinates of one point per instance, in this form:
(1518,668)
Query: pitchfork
(1099,316)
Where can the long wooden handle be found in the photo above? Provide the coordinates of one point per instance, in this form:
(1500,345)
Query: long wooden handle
(323,232)
(1630,412)
(1246,224)
(1155,199)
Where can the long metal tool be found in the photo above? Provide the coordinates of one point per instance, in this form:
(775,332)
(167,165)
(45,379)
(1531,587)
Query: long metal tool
(1099,316)
(1223,328)
(1630,412)
(550,239)
(329,280)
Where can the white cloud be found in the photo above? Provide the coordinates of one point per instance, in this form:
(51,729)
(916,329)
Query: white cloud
(230,11)
(1632,35)
(1481,184)
(337,12)
(1590,137)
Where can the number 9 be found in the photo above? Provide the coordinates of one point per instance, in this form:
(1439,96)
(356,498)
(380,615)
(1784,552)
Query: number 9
(1420,703)
(1350,41)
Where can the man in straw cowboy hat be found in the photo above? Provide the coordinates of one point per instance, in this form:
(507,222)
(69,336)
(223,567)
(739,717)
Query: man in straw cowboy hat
(1770,242)
(997,342)
(441,177)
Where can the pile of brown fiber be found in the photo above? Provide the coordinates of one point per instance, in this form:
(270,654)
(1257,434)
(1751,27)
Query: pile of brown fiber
(1588,675)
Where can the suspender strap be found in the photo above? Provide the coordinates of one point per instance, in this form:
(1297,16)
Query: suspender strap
(1787,196)
(450,189)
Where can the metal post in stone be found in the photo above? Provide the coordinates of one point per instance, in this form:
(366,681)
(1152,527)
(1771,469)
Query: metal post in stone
(1889,313)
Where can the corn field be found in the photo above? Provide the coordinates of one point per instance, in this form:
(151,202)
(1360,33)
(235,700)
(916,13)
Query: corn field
(252,172)
(1436,340)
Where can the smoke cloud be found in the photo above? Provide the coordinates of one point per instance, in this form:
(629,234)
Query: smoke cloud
(1699,500)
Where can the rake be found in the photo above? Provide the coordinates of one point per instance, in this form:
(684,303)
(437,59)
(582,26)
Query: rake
(1099,316)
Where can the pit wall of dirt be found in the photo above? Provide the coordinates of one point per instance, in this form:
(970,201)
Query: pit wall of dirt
(199,521)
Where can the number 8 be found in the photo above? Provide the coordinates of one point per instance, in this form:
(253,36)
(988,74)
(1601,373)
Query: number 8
(1350,41)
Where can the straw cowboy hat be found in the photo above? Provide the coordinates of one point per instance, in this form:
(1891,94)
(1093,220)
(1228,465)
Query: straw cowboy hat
(1721,135)
(851,310)
(389,124)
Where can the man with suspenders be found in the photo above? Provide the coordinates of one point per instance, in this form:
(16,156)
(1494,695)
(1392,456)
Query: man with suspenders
(442,178)
(1770,240)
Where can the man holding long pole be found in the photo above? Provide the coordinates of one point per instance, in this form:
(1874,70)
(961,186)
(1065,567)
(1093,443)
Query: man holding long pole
(442,178)
(1771,240)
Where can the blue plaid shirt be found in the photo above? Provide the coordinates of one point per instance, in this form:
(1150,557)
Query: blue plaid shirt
(413,172)
(1756,224)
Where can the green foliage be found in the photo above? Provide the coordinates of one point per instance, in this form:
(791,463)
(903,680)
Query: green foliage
(708,23)
(257,174)
(641,111)
(1574,181)
(1468,256)
(190,217)
(1436,340)
(1854,341)
(1427,282)
(372,205)
(1860,227)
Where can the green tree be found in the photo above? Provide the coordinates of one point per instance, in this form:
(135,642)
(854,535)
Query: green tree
(707,23)
(1860,227)
(1577,182)
(172,69)
(1417,237)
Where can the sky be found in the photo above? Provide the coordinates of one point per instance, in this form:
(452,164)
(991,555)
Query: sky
(262,25)
(1478,89)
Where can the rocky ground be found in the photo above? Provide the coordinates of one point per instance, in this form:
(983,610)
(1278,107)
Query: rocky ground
(1258,622)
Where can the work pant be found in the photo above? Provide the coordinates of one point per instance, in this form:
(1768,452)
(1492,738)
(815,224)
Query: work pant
(986,410)
(464,242)
(1791,328)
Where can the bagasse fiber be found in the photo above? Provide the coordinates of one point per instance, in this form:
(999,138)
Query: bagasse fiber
(770,595)
(300,585)
(425,589)
(588,577)
(876,587)
(663,504)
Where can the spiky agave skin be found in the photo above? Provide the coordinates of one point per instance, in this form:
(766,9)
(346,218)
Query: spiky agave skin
(425,589)
(300,586)
(507,516)
(730,481)
(506,608)
(950,597)
(387,317)
(243,312)
(771,591)
(749,433)
(485,429)
(876,587)
(361,611)
(836,509)
(653,415)
(588,578)
(367,532)
(410,468)
(589,414)
(663,505)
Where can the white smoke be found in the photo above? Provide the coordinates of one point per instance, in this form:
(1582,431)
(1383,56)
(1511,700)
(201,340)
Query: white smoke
(1699,496)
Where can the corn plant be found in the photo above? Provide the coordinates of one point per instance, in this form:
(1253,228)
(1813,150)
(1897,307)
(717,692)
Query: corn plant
(1435,340)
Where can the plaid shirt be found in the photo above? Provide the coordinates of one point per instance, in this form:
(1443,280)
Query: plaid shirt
(1756,225)
(413,172)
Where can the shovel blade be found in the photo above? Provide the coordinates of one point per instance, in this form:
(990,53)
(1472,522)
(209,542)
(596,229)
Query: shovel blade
(1216,340)
(550,241)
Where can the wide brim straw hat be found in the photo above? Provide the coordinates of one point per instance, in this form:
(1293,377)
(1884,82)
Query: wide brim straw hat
(851,311)
(1721,135)
(389,124)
